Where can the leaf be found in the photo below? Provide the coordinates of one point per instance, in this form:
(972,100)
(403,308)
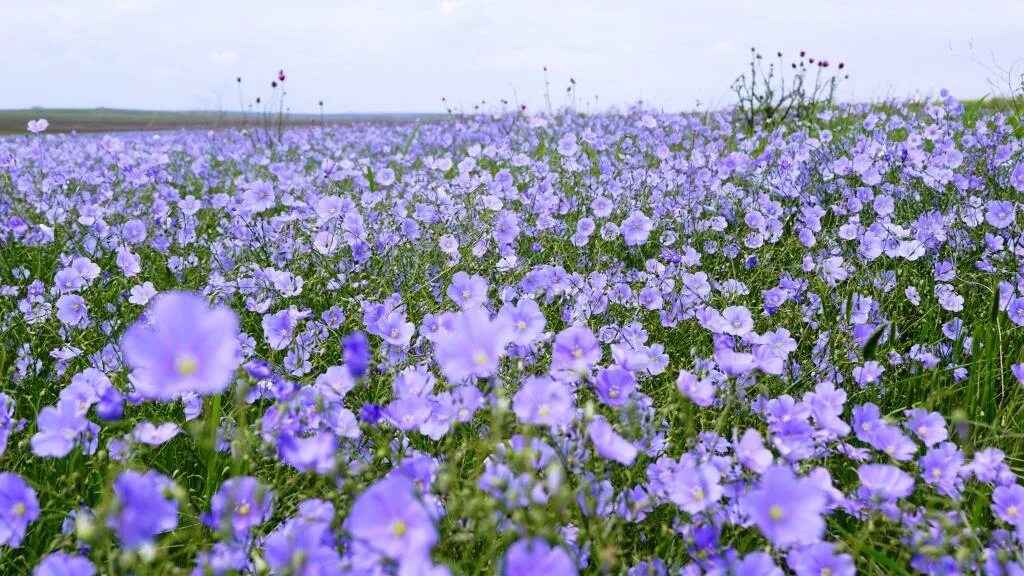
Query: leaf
(994,310)
(871,346)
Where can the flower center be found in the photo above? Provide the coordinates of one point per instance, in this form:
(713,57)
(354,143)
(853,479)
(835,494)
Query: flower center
(1012,511)
(242,509)
(543,410)
(577,353)
(775,513)
(480,358)
(186,364)
(521,325)
(398,528)
(19,509)
(698,493)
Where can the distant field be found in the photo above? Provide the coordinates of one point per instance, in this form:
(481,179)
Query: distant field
(111,120)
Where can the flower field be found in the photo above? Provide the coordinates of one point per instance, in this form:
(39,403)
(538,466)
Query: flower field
(626,343)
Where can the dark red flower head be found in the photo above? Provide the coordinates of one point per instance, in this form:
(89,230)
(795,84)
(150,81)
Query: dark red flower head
(280,75)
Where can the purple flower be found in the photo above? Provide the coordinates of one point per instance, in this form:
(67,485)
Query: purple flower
(278,329)
(388,518)
(134,231)
(750,452)
(7,421)
(636,228)
(141,294)
(146,433)
(884,482)
(1017,177)
(757,564)
(543,401)
(940,467)
(694,487)
(191,347)
(371,413)
(59,428)
(988,465)
(408,413)
(734,363)
(869,373)
(1008,504)
(395,329)
(1000,213)
(71,310)
(304,545)
(259,196)
(240,504)
(473,346)
(575,350)
(61,564)
(820,558)
(356,353)
(526,319)
(1015,310)
(567,145)
(615,386)
(535,557)
(890,440)
(833,270)
(737,321)
(68,280)
(608,444)
(467,291)
(787,509)
(315,452)
(18,508)
(700,391)
(930,427)
(143,509)
(336,382)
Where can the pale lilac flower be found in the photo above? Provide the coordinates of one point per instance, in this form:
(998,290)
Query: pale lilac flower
(473,346)
(141,294)
(37,126)
(609,444)
(534,557)
(787,509)
(543,401)
(636,228)
(575,350)
(190,347)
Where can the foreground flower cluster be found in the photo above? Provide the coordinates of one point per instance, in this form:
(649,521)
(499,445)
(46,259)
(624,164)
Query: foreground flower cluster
(627,343)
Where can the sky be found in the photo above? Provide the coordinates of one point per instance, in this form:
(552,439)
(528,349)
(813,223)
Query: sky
(405,56)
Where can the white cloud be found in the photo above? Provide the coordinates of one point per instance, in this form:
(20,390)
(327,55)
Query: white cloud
(226,57)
